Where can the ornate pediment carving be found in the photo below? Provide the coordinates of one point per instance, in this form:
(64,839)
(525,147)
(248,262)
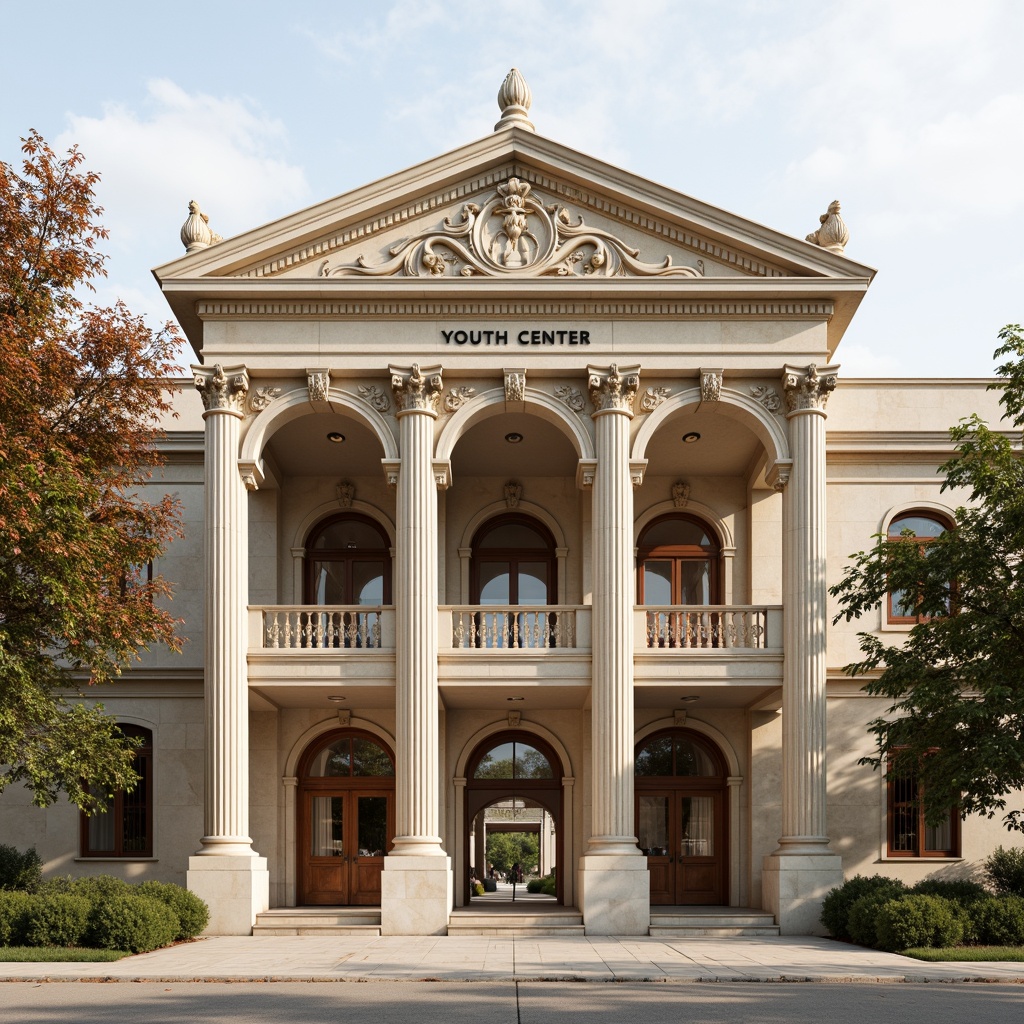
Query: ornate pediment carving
(512,233)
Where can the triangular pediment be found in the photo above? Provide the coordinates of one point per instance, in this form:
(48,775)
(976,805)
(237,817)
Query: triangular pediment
(510,209)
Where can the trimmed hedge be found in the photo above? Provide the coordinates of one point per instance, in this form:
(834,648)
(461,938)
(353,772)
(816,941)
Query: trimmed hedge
(131,921)
(193,914)
(999,921)
(918,920)
(836,907)
(58,920)
(13,912)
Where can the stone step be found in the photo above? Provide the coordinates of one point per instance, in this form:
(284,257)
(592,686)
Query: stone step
(725,922)
(318,921)
(481,923)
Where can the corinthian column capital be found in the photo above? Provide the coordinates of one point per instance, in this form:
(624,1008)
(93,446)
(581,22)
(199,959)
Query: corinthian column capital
(807,388)
(612,389)
(222,390)
(416,390)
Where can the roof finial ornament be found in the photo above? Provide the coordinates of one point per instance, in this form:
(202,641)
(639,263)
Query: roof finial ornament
(195,232)
(514,99)
(833,233)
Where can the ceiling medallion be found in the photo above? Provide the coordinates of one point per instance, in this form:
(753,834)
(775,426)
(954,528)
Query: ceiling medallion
(512,233)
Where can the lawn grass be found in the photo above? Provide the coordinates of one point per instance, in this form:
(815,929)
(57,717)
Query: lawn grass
(991,954)
(58,954)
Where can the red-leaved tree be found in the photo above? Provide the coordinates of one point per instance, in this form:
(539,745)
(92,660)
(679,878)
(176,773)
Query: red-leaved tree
(82,390)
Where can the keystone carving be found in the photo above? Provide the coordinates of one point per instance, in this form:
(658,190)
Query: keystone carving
(513,493)
(807,389)
(610,389)
(512,233)
(319,383)
(680,493)
(710,385)
(222,390)
(416,390)
(515,386)
(346,493)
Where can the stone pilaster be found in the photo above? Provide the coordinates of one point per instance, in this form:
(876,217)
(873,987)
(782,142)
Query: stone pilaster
(614,884)
(802,870)
(416,885)
(226,871)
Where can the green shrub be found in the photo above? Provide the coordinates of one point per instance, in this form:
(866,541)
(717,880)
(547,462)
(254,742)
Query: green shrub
(535,885)
(99,888)
(129,920)
(963,890)
(1005,871)
(918,920)
(13,912)
(59,883)
(58,919)
(193,913)
(19,870)
(835,908)
(549,886)
(999,921)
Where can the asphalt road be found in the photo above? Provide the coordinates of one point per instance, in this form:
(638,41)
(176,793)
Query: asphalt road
(507,1003)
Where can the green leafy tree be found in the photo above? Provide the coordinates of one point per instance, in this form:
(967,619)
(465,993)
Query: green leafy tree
(81,393)
(505,849)
(956,682)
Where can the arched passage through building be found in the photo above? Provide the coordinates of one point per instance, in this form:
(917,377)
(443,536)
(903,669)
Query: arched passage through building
(514,786)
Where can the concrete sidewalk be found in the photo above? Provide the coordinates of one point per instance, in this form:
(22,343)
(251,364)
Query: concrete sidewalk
(487,958)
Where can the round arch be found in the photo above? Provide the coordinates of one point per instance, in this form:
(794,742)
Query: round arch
(460,837)
(735,783)
(295,404)
(769,431)
(492,403)
(941,511)
(695,508)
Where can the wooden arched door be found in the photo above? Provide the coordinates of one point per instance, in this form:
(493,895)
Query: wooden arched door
(346,817)
(681,818)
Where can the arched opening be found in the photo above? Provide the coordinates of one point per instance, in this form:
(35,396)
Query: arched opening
(346,568)
(681,817)
(513,788)
(513,565)
(346,818)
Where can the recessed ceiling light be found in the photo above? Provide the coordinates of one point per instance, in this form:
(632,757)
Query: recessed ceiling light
(691,437)
(513,700)
(689,700)
(514,437)
(335,438)
(337,698)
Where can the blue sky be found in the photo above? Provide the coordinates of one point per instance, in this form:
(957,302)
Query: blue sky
(911,112)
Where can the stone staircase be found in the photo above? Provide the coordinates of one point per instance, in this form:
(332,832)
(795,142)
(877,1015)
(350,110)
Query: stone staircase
(318,921)
(704,922)
(512,921)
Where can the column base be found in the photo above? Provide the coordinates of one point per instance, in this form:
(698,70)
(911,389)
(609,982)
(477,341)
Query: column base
(793,886)
(235,889)
(415,895)
(615,894)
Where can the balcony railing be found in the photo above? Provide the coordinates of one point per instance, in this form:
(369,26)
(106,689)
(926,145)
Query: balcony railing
(320,627)
(707,627)
(495,627)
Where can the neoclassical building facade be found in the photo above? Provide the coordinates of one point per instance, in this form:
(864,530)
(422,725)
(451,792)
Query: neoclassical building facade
(516,481)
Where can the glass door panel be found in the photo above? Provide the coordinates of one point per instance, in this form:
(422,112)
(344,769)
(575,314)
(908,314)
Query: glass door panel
(327,826)
(657,582)
(368,583)
(495,583)
(533,583)
(694,582)
(372,828)
(697,826)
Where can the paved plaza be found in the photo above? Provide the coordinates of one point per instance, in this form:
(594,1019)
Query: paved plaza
(522,958)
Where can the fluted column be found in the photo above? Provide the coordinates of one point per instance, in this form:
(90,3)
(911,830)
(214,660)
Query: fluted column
(417,394)
(804,596)
(226,698)
(612,393)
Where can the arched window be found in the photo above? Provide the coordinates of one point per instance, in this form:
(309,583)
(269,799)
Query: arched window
(513,563)
(678,562)
(348,562)
(513,759)
(919,527)
(124,828)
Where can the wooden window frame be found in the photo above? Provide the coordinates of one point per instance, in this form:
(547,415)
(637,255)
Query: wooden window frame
(679,553)
(894,809)
(346,556)
(922,542)
(143,760)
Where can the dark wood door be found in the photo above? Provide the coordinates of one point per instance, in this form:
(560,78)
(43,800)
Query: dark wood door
(344,842)
(682,832)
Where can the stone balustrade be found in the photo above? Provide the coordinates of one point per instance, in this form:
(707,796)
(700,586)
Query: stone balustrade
(514,627)
(322,627)
(709,627)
